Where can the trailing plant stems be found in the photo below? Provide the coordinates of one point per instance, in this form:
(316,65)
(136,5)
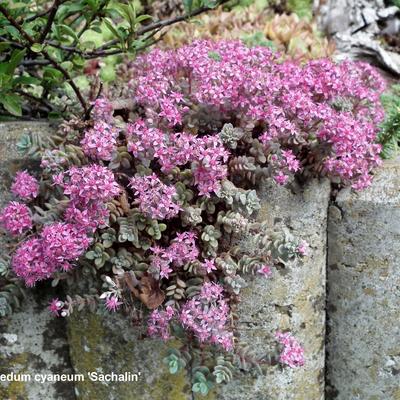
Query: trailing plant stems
(53,12)
(46,55)
(102,51)
(163,23)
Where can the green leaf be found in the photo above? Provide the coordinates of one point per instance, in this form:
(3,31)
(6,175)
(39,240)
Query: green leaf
(4,46)
(174,367)
(143,17)
(110,26)
(107,73)
(12,103)
(196,387)
(13,32)
(90,255)
(26,80)
(66,30)
(214,56)
(52,74)
(68,65)
(188,5)
(15,60)
(37,47)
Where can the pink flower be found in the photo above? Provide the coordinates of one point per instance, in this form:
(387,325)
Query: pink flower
(207,316)
(211,291)
(156,199)
(183,249)
(102,110)
(209,266)
(292,353)
(290,161)
(100,141)
(113,303)
(55,307)
(91,183)
(158,323)
(25,186)
(281,178)
(30,264)
(265,270)
(64,242)
(303,248)
(89,217)
(327,108)
(16,218)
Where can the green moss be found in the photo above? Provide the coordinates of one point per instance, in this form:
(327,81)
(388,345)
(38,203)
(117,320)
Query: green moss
(303,8)
(14,390)
(94,346)
(170,387)
(84,334)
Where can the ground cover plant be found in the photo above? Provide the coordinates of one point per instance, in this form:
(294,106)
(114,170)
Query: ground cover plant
(389,135)
(256,24)
(150,206)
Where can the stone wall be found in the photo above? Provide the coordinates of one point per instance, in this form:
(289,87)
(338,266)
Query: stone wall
(31,341)
(293,299)
(363,300)
(363,308)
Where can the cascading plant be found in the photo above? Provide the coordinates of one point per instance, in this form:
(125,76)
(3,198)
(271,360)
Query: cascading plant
(154,209)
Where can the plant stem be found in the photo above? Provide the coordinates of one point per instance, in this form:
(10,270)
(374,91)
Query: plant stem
(53,12)
(46,55)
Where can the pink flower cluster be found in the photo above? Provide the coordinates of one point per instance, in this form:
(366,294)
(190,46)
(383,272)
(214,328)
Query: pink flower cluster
(56,306)
(158,323)
(91,183)
(63,242)
(30,264)
(156,199)
(207,316)
(103,110)
(292,353)
(209,167)
(89,217)
(89,189)
(100,141)
(16,218)
(59,244)
(330,111)
(182,250)
(25,186)
(113,303)
(171,149)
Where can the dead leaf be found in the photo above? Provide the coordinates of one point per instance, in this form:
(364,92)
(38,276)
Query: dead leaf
(147,290)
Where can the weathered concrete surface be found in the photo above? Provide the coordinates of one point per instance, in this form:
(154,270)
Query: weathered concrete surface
(31,341)
(293,299)
(10,160)
(364,291)
(111,344)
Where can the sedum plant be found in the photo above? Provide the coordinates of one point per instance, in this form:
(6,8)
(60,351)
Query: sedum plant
(389,135)
(296,38)
(151,209)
